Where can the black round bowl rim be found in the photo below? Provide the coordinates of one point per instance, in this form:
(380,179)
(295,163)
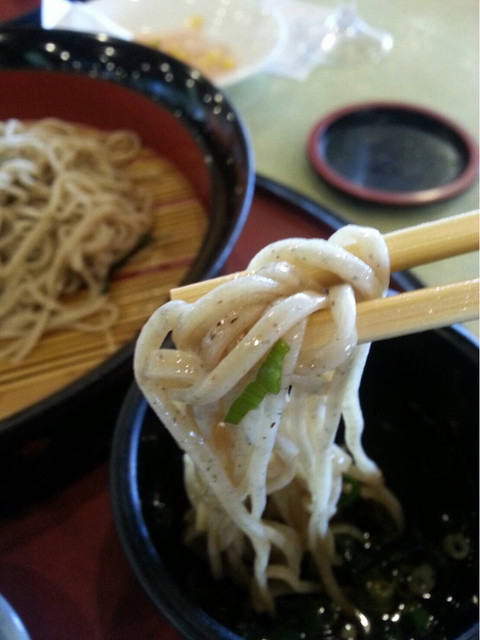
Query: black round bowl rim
(218,253)
(370,194)
(125,500)
(133,533)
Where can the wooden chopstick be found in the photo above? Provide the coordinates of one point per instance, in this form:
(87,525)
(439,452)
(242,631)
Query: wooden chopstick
(407,248)
(402,314)
(433,241)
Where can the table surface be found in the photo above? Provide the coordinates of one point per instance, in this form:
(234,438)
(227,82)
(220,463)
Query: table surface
(434,64)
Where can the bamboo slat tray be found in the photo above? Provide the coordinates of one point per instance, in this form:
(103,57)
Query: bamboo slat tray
(137,289)
(58,409)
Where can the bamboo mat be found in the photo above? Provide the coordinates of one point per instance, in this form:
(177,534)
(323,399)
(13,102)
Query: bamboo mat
(137,288)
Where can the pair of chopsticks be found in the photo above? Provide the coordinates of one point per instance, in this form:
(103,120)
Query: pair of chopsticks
(404,313)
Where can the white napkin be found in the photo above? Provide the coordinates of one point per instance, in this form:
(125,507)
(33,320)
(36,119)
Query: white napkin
(79,16)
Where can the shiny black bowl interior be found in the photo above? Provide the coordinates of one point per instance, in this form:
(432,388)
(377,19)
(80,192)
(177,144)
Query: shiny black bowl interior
(420,400)
(393,153)
(108,83)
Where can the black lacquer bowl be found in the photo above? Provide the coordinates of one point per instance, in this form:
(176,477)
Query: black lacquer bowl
(108,83)
(420,400)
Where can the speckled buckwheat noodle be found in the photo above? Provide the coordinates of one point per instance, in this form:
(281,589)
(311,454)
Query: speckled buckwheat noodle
(264,492)
(68,212)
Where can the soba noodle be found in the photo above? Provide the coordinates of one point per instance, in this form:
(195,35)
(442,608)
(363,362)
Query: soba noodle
(69,211)
(263,492)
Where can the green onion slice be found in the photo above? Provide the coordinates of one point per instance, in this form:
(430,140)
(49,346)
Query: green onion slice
(422,580)
(350,491)
(267,380)
(456,545)
(418,618)
(380,590)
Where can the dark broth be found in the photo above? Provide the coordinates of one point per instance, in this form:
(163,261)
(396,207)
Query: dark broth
(421,413)
(418,585)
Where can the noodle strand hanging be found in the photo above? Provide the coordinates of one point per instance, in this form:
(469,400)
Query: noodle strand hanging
(264,465)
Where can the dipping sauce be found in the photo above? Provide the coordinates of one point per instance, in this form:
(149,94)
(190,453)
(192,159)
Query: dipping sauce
(421,585)
(418,586)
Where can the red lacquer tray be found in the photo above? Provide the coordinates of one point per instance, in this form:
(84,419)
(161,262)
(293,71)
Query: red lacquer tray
(61,565)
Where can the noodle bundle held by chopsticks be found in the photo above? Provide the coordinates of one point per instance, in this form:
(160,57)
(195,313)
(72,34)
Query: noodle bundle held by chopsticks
(69,211)
(258,417)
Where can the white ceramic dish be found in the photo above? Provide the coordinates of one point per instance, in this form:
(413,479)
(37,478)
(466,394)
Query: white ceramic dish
(11,627)
(253,32)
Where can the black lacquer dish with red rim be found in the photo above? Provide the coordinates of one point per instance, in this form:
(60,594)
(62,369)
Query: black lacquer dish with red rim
(111,84)
(393,153)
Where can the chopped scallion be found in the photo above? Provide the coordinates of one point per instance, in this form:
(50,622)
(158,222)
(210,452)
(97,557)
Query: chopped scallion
(381,592)
(456,546)
(422,580)
(418,618)
(350,489)
(267,380)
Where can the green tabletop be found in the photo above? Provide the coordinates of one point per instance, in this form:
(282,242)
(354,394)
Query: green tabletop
(434,64)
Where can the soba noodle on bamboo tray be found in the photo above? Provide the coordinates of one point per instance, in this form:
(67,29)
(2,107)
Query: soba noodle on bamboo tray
(75,202)
(69,212)
(256,407)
